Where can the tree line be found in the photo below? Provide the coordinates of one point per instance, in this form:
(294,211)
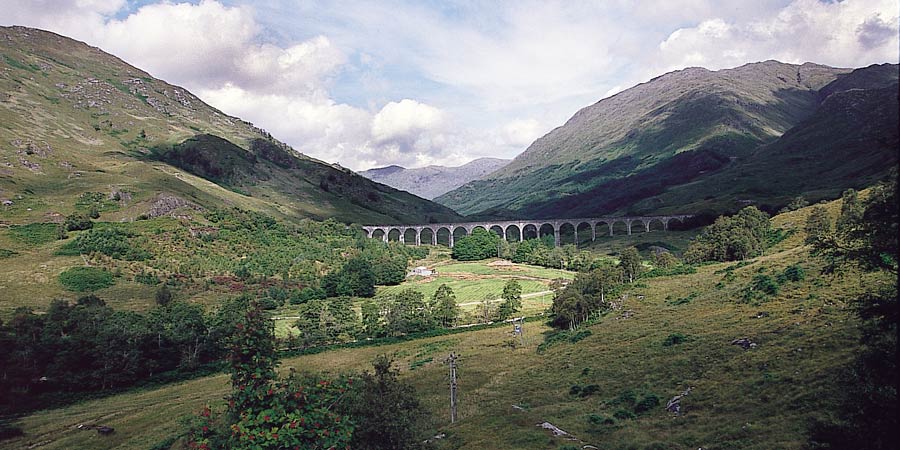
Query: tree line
(483,244)
(88,346)
(335,320)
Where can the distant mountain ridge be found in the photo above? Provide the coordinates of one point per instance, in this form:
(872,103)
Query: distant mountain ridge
(77,120)
(431,181)
(646,149)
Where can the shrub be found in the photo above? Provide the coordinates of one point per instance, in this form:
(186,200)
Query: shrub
(76,222)
(584,391)
(792,273)
(163,296)
(674,339)
(34,233)
(385,411)
(681,269)
(562,336)
(268,303)
(84,279)
(579,335)
(765,284)
(307,294)
(625,398)
(589,390)
(597,419)
(681,300)
(624,414)
(146,278)
(647,403)
(113,242)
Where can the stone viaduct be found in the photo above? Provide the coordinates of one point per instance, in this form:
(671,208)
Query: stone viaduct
(519,227)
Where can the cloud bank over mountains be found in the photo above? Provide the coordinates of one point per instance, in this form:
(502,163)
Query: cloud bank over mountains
(414,84)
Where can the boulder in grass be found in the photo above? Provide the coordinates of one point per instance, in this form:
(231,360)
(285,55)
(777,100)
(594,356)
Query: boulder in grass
(674,405)
(744,343)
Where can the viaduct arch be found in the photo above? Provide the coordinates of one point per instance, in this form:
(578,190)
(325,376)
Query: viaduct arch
(518,227)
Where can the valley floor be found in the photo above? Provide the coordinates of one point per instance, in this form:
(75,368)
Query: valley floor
(764,397)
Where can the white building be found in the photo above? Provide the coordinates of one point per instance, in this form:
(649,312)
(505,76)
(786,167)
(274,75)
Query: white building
(420,271)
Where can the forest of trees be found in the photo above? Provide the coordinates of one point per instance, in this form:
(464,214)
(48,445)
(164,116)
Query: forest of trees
(88,346)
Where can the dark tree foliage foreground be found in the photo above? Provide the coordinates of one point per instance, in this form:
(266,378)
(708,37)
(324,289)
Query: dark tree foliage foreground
(305,411)
(87,346)
(866,237)
(384,410)
(265,412)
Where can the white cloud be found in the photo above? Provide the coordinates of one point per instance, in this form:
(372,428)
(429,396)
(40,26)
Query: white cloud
(406,82)
(521,133)
(405,120)
(851,33)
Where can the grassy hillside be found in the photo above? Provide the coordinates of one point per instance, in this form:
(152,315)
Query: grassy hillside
(74,119)
(849,142)
(668,335)
(696,140)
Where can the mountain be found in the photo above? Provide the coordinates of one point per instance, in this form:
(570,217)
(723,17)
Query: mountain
(432,181)
(76,120)
(697,140)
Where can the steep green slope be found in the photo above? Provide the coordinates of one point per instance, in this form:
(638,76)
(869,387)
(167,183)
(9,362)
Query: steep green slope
(759,398)
(673,131)
(851,141)
(74,119)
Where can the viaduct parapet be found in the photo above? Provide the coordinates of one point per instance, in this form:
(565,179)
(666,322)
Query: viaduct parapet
(519,228)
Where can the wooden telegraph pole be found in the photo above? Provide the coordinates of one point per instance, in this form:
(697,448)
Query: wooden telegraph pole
(452,361)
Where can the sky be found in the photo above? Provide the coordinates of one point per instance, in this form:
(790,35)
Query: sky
(372,83)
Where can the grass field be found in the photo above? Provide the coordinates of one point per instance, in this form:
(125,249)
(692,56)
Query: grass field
(472,283)
(760,398)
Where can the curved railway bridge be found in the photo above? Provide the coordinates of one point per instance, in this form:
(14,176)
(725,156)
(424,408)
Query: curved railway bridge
(518,228)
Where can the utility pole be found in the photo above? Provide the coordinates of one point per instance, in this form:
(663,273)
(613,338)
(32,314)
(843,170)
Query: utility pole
(452,361)
(519,327)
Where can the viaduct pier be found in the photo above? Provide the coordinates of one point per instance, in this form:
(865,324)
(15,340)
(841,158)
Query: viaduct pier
(428,233)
